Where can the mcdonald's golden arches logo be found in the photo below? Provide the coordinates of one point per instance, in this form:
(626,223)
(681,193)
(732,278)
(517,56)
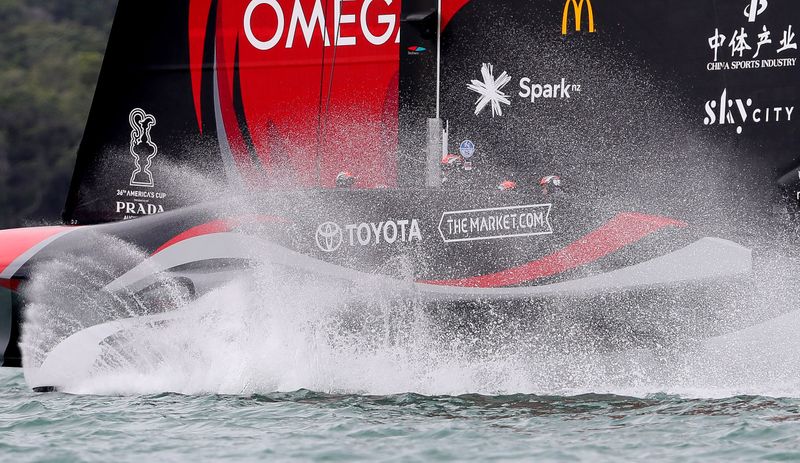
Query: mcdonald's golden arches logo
(576,6)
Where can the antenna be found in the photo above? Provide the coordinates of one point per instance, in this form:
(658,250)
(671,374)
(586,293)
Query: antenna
(438,57)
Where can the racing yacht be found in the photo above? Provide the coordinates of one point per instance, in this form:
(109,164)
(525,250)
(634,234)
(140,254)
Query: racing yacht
(509,153)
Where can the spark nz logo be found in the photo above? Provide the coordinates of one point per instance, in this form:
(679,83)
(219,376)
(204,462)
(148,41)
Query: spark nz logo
(558,91)
(490,90)
(738,112)
(142,147)
(754,9)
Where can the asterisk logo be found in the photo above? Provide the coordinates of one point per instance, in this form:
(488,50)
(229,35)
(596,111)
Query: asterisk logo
(490,90)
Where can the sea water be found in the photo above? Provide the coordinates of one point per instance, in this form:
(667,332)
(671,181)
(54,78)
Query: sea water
(304,425)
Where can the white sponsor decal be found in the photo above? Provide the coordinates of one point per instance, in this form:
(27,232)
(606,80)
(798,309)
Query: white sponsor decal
(135,209)
(330,236)
(754,9)
(142,147)
(132,203)
(559,91)
(739,112)
(753,47)
(496,223)
(491,91)
(136,203)
(301,26)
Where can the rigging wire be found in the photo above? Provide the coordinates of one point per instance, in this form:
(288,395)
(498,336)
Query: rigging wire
(337,26)
(319,104)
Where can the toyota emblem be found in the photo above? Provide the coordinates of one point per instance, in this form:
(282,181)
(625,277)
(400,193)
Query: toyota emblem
(329,237)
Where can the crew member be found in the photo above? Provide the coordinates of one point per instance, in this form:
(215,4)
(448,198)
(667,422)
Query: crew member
(345,180)
(552,185)
(450,164)
(507,185)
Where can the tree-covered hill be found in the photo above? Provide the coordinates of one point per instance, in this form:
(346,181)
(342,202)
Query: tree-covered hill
(50,57)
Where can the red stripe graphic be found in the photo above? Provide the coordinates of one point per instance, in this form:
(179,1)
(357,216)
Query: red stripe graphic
(10,284)
(219,226)
(621,231)
(14,243)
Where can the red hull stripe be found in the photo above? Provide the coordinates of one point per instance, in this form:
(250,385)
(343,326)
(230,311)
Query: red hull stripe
(219,226)
(10,284)
(621,231)
(15,243)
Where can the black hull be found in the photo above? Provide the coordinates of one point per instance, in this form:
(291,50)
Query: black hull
(608,272)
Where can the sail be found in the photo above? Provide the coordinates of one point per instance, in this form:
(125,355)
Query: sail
(683,105)
(255,94)
(641,100)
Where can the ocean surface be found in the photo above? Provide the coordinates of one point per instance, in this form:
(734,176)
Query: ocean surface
(304,425)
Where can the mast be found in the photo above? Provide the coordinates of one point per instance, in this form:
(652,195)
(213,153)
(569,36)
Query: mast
(435,147)
(438,58)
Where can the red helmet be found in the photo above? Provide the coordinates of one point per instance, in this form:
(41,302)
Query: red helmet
(345,180)
(550,180)
(507,185)
(450,161)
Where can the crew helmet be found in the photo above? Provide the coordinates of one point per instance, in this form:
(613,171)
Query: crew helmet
(345,180)
(452,161)
(507,185)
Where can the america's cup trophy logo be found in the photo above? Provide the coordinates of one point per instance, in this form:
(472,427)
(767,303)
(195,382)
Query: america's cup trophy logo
(143,149)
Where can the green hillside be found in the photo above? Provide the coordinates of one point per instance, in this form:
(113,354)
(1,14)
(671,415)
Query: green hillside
(50,56)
